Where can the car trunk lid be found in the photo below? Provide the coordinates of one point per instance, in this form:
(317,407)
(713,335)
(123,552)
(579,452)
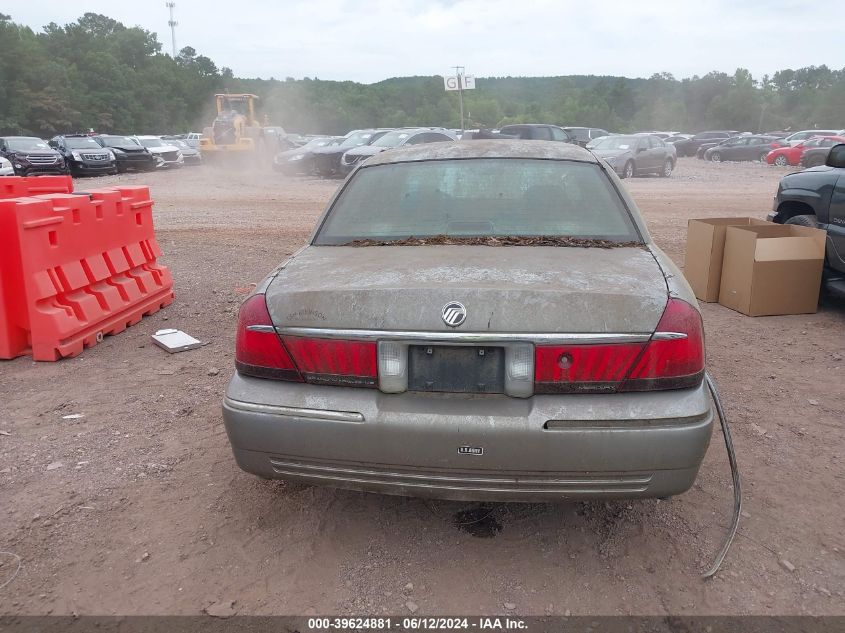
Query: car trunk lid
(522,289)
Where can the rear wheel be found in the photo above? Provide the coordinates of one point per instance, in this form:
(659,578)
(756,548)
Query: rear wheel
(781,161)
(628,172)
(667,168)
(716,157)
(804,220)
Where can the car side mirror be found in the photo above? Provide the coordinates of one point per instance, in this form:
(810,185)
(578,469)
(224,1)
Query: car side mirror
(836,156)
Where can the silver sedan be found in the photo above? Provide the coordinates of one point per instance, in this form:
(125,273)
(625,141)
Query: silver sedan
(483,320)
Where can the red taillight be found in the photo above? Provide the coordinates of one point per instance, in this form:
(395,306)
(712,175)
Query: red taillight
(258,349)
(260,352)
(672,359)
(327,361)
(582,368)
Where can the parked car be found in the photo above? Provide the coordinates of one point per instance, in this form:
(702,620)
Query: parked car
(83,155)
(6,168)
(635,155)
(534,132)
(193,139)
(31,156)
(792,154)
(803,135)
(396,138)
(327,158)
(815,197)
(414,368)
(191,155)
(817,150)
(583,135)
(166,156)
(300,160)
(691,145)
(661,135)
(739,148)
(677,138)
(130,155)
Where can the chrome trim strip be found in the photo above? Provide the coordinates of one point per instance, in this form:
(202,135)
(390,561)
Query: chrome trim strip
(465,337)
(669,336)
(294,412)
(261,328)
(562,491)
(639,478)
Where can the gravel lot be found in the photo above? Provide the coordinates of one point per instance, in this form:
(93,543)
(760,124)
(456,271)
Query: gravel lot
(138,508)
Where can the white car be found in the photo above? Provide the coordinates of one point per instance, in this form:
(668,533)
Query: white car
(6,168)
(193,139)
(803,135)
(166,155)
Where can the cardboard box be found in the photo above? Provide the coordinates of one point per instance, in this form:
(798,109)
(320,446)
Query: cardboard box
(705,247)
(772,269)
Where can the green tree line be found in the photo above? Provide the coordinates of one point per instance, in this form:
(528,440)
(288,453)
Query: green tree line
(97,73)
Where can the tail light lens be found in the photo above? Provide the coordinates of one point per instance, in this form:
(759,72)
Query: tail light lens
(672,359)
(258,349)
(260,352)
(583,368)
(333,362)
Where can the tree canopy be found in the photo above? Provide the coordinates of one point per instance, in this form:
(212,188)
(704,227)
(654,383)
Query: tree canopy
(98,74)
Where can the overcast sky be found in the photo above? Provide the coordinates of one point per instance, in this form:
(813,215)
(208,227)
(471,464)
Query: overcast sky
(367,41)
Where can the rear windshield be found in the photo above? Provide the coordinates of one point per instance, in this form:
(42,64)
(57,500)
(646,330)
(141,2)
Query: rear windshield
(478,198)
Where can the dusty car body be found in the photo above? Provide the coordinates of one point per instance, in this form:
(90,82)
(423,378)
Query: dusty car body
(406,351)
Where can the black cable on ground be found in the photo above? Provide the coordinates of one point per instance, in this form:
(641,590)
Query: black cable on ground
(737,483)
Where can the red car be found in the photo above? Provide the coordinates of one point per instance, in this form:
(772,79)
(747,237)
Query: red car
(783,156)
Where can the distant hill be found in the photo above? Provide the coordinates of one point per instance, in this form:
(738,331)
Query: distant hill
(96,73)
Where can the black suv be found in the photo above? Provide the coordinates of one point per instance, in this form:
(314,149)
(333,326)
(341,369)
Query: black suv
(129,154)
(30,156)
(84,156)
(815,197)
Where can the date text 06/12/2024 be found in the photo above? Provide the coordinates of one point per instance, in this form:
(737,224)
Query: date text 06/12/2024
(416,624)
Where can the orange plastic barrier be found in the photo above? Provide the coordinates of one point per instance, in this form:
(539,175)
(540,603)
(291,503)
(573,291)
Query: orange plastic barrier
(86,266)
(20,186)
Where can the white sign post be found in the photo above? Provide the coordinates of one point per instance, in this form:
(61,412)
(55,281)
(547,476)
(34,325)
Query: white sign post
(460,82)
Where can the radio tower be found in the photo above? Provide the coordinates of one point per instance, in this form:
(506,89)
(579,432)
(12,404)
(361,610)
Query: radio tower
(172,23)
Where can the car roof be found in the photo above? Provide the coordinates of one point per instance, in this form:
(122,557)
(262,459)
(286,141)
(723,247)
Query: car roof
(447,150)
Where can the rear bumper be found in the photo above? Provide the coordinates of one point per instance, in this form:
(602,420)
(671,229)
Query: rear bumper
(544,448)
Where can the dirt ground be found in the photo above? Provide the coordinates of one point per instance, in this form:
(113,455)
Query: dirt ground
(138,507)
